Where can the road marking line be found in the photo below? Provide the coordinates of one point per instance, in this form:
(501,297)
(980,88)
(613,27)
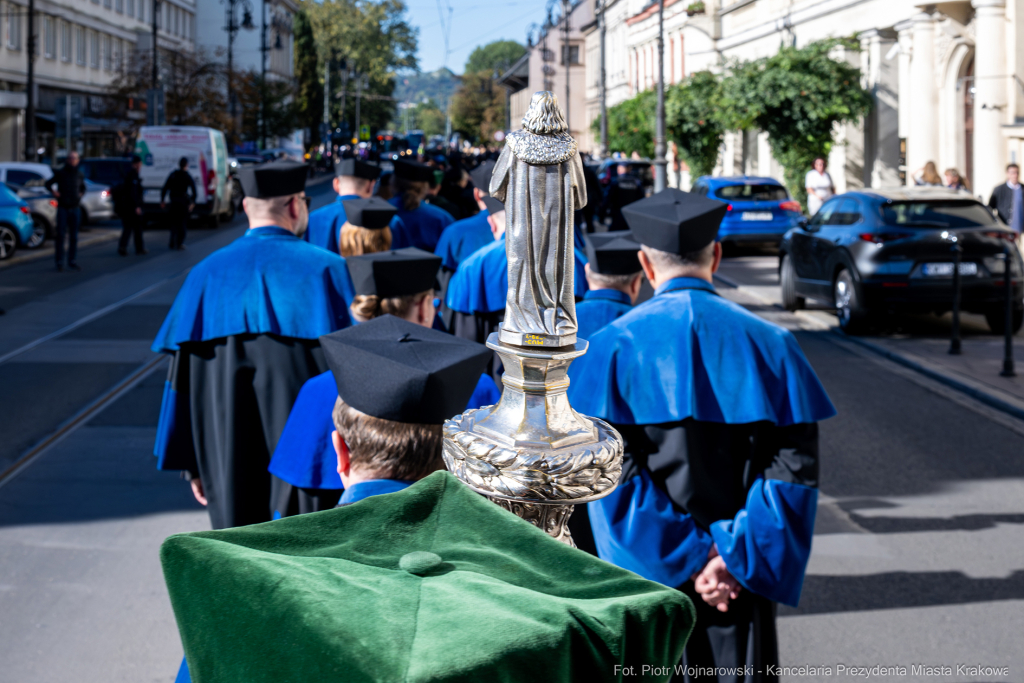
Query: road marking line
(82,417)
(89,318)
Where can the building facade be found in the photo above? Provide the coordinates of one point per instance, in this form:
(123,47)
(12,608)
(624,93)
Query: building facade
(81,46)
(947,79)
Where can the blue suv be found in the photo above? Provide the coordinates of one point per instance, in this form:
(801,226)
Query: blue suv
(760,209)
(16,225)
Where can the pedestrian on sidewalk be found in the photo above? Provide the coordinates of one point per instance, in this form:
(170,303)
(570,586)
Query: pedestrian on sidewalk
(927,176)
(955,181)
(1008,201)
(182,191)
(819,186)
(128,206)
(68,186)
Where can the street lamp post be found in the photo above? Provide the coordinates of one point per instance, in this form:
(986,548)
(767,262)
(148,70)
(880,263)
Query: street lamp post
(156,13)
(566,11)
(232,28)
(30,104)
(602,86)
(660,165)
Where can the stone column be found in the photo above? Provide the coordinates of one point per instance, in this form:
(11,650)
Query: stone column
(922,137)
(990,100)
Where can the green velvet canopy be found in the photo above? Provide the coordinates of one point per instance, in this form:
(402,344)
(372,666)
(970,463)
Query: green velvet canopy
(433,583)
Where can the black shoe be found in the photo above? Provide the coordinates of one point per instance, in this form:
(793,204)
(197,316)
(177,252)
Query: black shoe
(139,252)
(60,268)
(181,247)
(122,252)
(74,266)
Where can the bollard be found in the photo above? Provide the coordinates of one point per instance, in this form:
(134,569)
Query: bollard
(954,342)
(1008,370)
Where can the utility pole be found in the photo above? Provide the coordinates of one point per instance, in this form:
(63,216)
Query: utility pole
(660,170)
(232,28)
(566,10)
(30,86)
(327,95)
(345,75)
(156,13)
(602,87)
(359,97)
(263,75)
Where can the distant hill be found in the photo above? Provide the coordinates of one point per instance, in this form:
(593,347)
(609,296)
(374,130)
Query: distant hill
(413,86)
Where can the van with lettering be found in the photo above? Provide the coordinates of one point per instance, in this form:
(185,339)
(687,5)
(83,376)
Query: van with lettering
(161,147)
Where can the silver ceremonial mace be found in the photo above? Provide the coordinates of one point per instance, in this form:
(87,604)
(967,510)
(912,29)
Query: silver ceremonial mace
(532,453)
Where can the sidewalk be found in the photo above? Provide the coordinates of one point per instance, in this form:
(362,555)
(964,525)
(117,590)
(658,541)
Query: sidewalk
(94,234)
(974,372)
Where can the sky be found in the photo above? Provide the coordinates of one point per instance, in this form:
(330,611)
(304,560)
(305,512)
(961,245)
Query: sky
(473,23)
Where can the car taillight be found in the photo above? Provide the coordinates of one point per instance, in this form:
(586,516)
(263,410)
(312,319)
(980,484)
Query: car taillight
(53,202)
(790,206)
(24,209)
(879,238)
(728,207)
(1000,235)
(211,181)
(105,194)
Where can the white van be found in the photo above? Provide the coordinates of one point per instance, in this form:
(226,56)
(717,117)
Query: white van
(161,147)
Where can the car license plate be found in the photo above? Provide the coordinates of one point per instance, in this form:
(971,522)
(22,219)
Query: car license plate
(946,269)
(756,216)
(151,197)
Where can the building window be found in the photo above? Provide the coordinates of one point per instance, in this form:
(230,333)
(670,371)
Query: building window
(547,55)
(107,61)
(165,20)
(142,10)
(80,45)
(49,37)
(573,53)
(94,49)
(106,4)
(118,55)
(65,41)
(13,32)
(129,8)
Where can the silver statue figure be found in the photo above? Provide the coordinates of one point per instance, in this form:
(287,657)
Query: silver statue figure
(539,177)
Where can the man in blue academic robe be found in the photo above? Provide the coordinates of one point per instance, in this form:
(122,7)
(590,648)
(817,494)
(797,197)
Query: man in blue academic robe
(613,282)
(718,410)
(421,224)
(401,282)
(462,238)
(244,333)
(354,179)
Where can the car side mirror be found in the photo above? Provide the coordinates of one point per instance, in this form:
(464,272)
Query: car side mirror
(808,226)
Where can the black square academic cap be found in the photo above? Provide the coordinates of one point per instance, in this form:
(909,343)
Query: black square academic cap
(275,179)
(388,274)
(617,257)
(373,213)
(412,170)
(493,205)
(674,221)
(481,175)
(357,168)
(596,239)
(400,371)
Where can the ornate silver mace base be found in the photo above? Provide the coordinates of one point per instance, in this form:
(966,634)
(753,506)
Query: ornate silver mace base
(532,453)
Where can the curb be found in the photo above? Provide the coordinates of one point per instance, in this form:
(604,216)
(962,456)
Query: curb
(977,394)
(46,250)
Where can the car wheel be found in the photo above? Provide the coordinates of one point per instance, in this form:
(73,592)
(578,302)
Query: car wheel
(853,319)
(787,280)
(8,242)
(996,319)
(39,232)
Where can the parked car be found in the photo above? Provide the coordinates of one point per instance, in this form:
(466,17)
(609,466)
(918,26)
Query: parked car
(760,209)
(889,251)
(97,204)
(44,212)
(15,223)
(235,164)
(161,147)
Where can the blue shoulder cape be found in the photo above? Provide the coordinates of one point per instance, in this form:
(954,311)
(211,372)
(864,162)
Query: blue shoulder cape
(480,285)
(598,308)
(305,456)
(687,352)
(325,224)
(420,228)
(462,238)
(266,282)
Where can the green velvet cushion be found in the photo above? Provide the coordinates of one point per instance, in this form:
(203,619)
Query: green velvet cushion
(433,583)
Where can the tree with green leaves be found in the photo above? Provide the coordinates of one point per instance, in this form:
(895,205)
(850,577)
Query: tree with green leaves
(631,125)
(692,120)
(280,105)
(499,56)
(428,117)
(478,108)
(797,96)
(309,104)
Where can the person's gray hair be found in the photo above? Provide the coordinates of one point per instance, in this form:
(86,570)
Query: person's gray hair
(620,282)
(667,263)
(543,116)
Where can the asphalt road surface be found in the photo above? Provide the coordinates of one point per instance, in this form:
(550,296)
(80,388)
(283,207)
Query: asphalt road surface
(917,554)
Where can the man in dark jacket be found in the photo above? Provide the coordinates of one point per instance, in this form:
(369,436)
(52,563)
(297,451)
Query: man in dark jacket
(68,186)
(182,191)
(625,188)
(1008,199)
(128,205)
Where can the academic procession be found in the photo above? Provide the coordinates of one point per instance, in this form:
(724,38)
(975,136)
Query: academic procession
(536,373)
